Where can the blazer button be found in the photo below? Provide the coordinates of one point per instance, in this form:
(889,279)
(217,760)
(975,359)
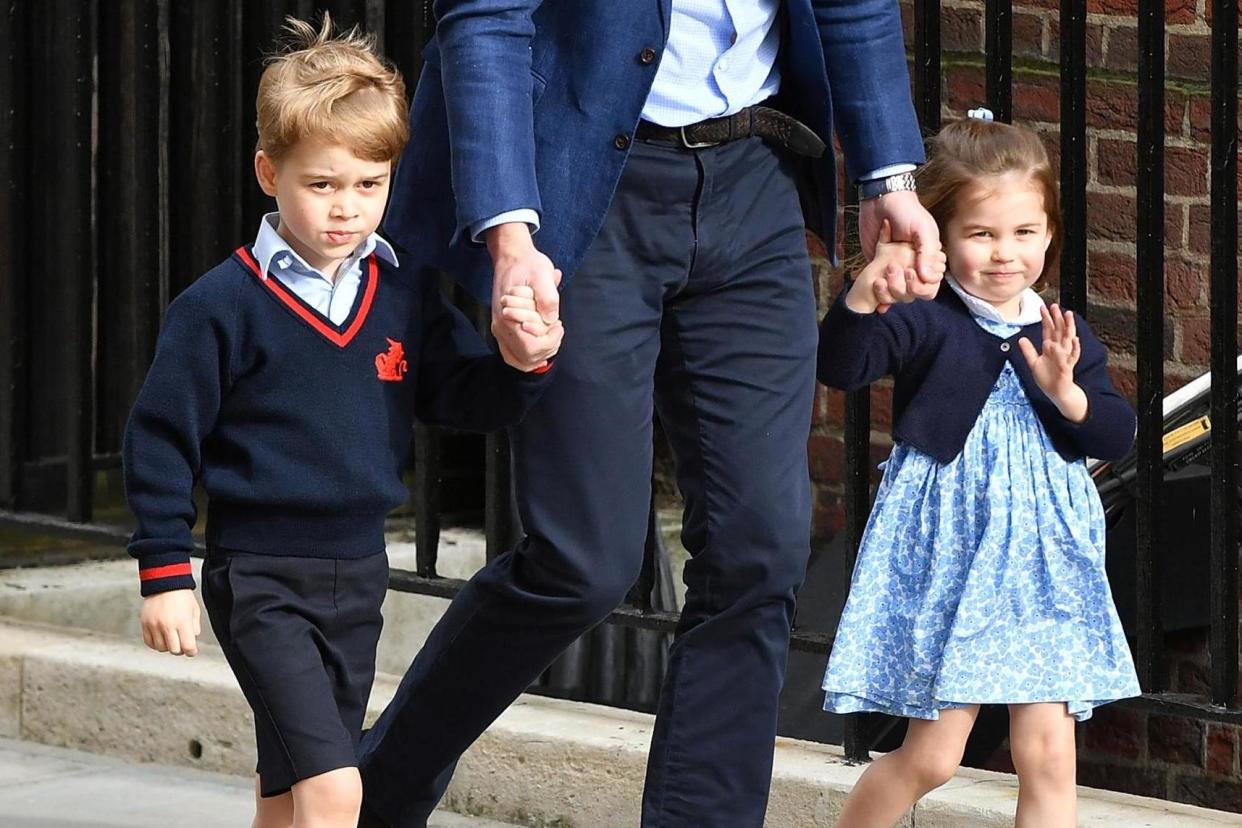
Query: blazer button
(647,56)
(1005,347)
(622,141)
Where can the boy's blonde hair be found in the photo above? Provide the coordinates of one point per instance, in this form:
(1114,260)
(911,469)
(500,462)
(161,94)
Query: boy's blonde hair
(966,151)
(334,89)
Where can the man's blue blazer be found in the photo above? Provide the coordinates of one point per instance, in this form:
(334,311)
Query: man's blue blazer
(539,100)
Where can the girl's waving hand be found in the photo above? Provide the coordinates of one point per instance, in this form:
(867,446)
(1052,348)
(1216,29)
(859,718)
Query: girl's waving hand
(1053,369)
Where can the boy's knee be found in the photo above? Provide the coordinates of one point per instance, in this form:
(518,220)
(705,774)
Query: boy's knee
(273,811)
(335,793)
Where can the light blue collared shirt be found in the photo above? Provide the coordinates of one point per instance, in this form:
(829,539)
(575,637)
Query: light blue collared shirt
(720,58)
(332,298)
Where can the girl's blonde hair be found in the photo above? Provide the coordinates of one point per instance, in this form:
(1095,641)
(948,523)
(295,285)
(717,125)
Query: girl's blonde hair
(331,88)
(964,152)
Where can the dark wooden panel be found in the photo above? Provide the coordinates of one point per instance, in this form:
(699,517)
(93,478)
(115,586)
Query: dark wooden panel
(131,171)
(14,204)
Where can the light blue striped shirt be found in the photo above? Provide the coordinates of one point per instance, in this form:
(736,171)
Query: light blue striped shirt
(720,58)
(334,298)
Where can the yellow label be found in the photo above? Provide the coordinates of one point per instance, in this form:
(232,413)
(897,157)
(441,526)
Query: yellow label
(1184,434)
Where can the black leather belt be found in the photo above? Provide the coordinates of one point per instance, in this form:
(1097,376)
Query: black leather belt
(763,122)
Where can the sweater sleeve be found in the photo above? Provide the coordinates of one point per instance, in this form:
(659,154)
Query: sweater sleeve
(162,447)
(856,349)
(1111,425)
(462,383)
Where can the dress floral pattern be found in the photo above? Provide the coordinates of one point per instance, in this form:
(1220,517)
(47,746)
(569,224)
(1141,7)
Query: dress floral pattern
(982,580)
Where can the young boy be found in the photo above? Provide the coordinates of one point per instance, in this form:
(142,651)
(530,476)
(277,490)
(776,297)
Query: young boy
(286,380)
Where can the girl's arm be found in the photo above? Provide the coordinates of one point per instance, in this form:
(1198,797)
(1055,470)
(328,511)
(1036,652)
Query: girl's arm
(856,349)
(1100,422)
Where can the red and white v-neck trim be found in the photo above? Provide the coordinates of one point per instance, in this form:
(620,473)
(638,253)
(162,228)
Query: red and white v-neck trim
(337,338)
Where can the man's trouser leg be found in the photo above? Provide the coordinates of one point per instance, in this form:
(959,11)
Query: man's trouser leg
(734,391)
(582,468)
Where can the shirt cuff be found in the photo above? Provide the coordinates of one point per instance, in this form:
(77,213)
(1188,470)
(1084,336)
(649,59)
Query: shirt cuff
(524,214)
(885,172)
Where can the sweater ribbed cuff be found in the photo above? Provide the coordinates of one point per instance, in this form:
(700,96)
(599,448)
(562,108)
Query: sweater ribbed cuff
(165,572)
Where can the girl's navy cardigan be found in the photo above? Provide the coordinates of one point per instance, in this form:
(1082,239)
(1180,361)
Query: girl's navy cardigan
(945,365)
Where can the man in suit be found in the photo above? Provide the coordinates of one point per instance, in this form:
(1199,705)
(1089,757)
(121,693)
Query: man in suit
(620,141)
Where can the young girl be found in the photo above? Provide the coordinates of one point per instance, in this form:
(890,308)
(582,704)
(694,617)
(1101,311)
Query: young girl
(981,574)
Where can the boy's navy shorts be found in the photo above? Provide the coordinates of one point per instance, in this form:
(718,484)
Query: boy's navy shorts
(300,634)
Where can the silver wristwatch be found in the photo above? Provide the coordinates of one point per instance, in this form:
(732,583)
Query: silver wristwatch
(900,183)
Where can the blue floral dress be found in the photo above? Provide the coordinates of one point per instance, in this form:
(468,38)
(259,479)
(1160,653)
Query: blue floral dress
(982,580)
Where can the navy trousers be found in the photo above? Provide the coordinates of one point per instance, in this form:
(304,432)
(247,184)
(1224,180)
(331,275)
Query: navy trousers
(695,300)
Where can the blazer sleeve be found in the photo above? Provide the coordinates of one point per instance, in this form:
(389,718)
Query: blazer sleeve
(865,57)
(1111,424)
(462,383)
(485,63)
(856,349)
(161,452)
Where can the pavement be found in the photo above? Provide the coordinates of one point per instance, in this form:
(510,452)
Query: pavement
(49,787)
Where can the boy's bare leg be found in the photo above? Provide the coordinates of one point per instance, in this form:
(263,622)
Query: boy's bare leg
(927,759)
(1041,742)
(329,800)
(272,811)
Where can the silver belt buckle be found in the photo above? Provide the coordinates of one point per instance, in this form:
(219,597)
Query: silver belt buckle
(685,142)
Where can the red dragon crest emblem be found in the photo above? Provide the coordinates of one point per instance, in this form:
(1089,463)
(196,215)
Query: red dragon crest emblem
(391,366)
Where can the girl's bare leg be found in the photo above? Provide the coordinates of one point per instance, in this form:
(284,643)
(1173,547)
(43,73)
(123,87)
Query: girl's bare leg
(1041,741)
(927,759)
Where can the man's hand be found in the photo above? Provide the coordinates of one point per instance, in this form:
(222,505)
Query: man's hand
(170,622)
(888,278)
(518,264)
(910,223)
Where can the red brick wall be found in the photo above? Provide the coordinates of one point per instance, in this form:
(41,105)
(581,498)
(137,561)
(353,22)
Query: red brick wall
(1129,750)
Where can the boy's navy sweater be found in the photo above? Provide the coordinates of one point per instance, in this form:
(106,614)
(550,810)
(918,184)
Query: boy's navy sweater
(298,428)
(944,366)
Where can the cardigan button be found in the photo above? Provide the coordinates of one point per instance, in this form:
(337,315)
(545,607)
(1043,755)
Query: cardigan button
(1005,347)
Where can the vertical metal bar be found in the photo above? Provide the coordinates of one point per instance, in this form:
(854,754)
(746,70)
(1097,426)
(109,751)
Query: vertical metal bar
(500,520)
(69,108)
(207,165)
(1150,346)
(998,25)
(128,208)
(375,18)
(14,57)
(347,13)
(407,27)
(857,490)
(501,525)
(1223,640)
(641,594)
(261,25)
(163,253)
(1074,154)
(927,64)
(426,500)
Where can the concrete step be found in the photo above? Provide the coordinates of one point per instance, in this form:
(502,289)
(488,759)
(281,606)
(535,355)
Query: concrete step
(42,787)
(545,762)
(103,596)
